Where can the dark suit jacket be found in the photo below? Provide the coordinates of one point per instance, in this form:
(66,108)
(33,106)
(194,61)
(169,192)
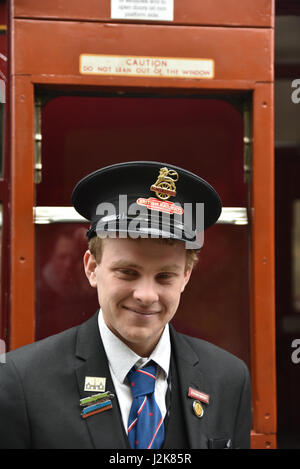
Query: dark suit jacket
(41,385)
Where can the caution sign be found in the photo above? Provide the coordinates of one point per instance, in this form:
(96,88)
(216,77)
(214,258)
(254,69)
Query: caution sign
(135,66)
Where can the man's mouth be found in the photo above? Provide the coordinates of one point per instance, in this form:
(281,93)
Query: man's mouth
(141,311)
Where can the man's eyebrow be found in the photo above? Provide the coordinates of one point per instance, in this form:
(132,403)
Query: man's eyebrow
(170,267)
(125,263)
(122,263)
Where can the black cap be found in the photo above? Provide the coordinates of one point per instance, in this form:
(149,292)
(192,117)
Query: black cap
(147,199)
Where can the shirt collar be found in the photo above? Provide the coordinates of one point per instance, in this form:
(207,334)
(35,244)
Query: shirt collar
(121,358)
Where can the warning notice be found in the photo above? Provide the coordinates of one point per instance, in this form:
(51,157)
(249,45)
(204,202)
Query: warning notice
(139,66)
(152,10)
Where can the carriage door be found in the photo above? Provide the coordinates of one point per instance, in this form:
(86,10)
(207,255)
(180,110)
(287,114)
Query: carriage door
(169,81)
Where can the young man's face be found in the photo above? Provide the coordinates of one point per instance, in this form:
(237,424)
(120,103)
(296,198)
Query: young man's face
(139,284)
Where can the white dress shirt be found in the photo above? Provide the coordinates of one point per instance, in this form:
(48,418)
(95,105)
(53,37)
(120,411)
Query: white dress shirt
(121,359)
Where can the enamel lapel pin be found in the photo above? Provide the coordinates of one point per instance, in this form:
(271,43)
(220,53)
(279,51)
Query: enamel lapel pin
(94,383)
(96,403)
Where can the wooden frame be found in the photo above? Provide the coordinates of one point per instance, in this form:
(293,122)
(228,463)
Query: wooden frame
(52,59)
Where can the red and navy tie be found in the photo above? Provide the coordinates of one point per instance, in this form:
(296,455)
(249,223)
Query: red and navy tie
(145,423)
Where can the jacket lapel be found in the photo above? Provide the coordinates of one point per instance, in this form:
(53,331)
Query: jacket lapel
(106,428)
(190,375)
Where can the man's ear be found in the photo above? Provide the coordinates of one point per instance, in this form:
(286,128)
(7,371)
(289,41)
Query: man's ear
(90,265)
(187,275)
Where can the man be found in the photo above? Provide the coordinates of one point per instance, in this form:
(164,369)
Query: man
(125,378)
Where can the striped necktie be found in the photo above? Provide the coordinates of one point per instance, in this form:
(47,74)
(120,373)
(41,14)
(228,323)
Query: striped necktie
(145,423)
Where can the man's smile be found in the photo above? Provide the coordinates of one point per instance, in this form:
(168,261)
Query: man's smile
(143,312)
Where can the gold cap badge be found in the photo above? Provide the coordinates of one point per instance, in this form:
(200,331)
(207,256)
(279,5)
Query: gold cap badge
(164,186)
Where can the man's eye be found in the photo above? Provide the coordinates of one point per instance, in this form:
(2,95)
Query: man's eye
(165,276)
(126,272)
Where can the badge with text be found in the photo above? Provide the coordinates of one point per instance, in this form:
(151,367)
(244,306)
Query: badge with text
(94,383)
(198,395)
(158,205)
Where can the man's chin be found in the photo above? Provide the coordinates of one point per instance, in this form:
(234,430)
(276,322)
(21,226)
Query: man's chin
(141,341)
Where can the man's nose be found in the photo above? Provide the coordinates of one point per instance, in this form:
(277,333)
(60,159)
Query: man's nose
(146,292)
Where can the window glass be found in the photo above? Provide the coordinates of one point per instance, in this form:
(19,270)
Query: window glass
(81,134)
